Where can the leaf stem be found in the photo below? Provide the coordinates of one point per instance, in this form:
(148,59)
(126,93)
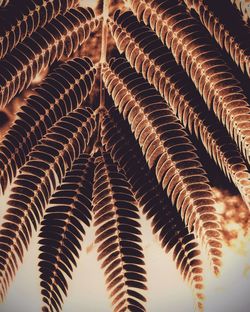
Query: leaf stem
(103,59)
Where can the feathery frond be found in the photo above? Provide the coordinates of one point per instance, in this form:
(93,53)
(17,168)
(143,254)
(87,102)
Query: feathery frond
(233,37)
(32,15)
(60,38)
(39,177)
(118,236)
(168,151)
(173,235)
(71,154)
(192,47)
(61,92)
(63,228)
(148,56)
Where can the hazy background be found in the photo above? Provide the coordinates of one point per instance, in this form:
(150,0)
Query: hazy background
(167,291)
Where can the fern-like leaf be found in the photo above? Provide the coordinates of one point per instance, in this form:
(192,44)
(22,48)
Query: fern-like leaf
(173,235)
(233,37)
(133,153)
(147,55)
(60,93)
(63,228)
(38,178)
(34,14)
(118,235)
(168,150)
(62,37)
(191,46)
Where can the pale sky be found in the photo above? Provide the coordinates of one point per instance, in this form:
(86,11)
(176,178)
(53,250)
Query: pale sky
(167,291)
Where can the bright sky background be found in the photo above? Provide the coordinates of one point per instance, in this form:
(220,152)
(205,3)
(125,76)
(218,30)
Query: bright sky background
(87,291)
(167,291)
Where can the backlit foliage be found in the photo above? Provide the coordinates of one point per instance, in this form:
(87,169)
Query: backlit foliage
(104,137)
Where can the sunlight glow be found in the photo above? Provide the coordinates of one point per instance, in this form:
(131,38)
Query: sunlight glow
(230,292)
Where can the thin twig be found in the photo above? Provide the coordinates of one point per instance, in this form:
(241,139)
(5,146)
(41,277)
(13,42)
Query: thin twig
(103,59)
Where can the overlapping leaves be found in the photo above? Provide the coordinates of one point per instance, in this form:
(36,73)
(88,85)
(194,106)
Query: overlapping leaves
(67,171)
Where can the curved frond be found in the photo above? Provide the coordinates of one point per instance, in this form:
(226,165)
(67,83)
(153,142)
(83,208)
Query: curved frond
(147,55)
(60,38)
(193,48)
(71,155)
(63,228)
(60,93)
(168,150)
(172,233)
(118,236)
(37,180)
(32,15)
(233,37)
